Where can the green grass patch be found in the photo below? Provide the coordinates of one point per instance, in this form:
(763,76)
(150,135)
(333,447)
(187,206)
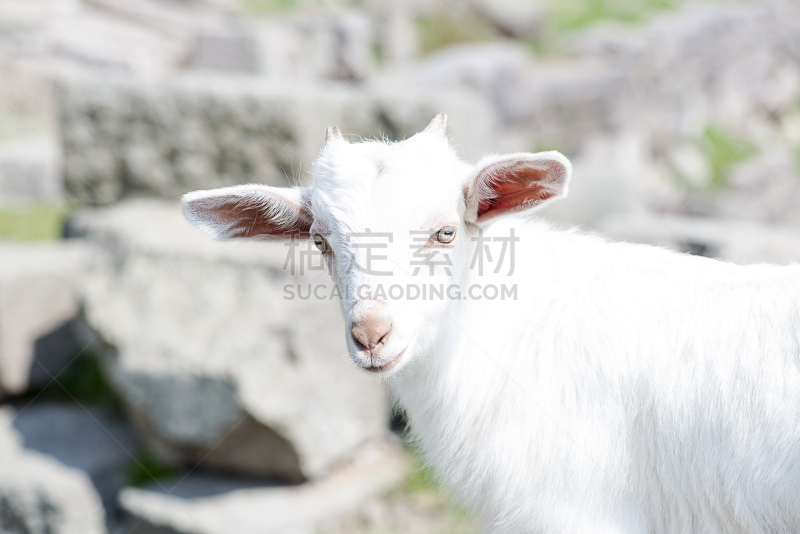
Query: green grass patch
(723,150)
(377,53)
(147,469)
(421,485)
(546,146)
(85,381)
(419,478)
(570,15)
(440,29)
(35,222)
(563,17)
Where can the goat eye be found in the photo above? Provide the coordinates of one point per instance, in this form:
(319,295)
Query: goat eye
(321,243)
(446,234)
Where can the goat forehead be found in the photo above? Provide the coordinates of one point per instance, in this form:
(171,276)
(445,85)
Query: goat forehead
(387,185)
(383,212)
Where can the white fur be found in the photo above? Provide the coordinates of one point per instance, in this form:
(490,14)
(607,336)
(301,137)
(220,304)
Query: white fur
(629,389)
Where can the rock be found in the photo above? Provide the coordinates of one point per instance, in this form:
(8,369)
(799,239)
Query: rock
(303,46)
(39,297)
(222,6)
(521,19)
(765,188)
(214,362)
(167,137)
(679,56)
(733,240)
(91,440)
(169,13)
(321,44)
(567,104)
(96,40)
(39,495)
(29,131)
(691,165)
(201,505)
(228,49)
(731,66)
(30,171)
(20,15)
(180,25)
(151,36)
(609,179)
(493,70)
(397,41)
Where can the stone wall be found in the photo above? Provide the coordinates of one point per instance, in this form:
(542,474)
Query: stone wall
(164,138)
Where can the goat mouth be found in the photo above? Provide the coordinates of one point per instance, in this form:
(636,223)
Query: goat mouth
(386,366)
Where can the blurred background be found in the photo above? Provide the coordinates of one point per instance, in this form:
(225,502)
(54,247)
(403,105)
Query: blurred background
(152,381)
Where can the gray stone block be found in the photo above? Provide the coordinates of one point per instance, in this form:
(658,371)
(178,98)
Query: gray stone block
(200,505)
(39,495)
(30,171)
(88,439)
(165,138)
(733,240)
(39,297)
(215,365)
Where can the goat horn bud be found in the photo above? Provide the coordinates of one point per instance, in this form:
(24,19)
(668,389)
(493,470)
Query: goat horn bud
(438,125)
(333,133)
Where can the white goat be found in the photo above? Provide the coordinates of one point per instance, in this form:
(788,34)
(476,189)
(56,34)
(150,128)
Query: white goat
(626,389)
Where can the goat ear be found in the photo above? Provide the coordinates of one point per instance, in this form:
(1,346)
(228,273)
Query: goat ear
(515,183)
(256,211)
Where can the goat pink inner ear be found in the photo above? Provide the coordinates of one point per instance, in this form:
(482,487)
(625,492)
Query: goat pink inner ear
(251,210)
(250,221)
(519,189)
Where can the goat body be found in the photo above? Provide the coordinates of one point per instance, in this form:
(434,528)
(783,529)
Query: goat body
(626,388)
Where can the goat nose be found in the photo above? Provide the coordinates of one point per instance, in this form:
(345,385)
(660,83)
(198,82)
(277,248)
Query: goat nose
(372,326)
